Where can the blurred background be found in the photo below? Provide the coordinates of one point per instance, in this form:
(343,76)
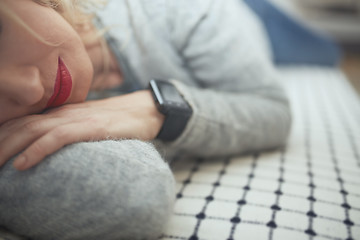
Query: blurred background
(338,18)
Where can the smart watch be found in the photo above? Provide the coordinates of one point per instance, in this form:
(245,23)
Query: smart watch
(170,102)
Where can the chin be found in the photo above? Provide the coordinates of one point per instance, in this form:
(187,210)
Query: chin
(81,94)
(81,85)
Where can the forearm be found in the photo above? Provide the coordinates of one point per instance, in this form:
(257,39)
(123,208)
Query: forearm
(130,116)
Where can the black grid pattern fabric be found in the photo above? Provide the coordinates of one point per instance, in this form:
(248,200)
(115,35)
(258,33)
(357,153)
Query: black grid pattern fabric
(308,190)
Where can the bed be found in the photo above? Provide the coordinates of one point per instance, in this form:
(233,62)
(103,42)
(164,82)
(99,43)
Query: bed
(310,189)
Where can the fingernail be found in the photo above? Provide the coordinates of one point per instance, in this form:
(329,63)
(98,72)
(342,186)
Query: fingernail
(20,162)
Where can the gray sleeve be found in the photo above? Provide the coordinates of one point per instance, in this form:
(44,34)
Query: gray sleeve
(96,190)
(238,105)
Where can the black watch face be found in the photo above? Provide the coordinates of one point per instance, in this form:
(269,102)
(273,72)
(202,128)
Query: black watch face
(168,97)
(170,93)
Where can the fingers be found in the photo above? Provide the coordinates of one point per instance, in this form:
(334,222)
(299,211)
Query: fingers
(17,136)
(43,146)
(52,142)
(7,128)
(41,135)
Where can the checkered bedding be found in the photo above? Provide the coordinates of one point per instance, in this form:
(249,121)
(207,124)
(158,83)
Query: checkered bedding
(308,190)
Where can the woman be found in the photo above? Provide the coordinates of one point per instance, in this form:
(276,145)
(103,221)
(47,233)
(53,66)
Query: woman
(91,171)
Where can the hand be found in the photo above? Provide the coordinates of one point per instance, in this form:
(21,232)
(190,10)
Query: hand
(129,116)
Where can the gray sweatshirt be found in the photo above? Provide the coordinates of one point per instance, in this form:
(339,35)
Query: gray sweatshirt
(216,54)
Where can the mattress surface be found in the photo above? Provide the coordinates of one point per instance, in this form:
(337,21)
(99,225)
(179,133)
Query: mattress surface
(310,189)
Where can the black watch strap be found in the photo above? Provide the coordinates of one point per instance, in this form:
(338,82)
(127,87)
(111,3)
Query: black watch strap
(174,124)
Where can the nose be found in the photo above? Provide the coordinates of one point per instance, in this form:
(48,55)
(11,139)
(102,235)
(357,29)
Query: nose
(21,84)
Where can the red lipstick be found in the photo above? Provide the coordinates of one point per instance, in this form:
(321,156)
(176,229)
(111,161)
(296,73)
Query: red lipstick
(62,88)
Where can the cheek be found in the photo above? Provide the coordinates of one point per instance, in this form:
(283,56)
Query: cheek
(20,46)
(82,83)
(81,70)
(72,50)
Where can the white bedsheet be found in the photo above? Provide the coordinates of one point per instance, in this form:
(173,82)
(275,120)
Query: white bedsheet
(308,190)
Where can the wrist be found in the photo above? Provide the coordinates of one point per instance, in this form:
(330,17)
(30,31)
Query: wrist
(153,119)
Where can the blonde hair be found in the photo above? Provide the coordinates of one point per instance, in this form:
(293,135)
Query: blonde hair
(77,12)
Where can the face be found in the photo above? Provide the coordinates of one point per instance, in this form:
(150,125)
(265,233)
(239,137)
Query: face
(41,70)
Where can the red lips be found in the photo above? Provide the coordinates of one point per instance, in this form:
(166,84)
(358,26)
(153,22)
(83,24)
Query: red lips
(62,88)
